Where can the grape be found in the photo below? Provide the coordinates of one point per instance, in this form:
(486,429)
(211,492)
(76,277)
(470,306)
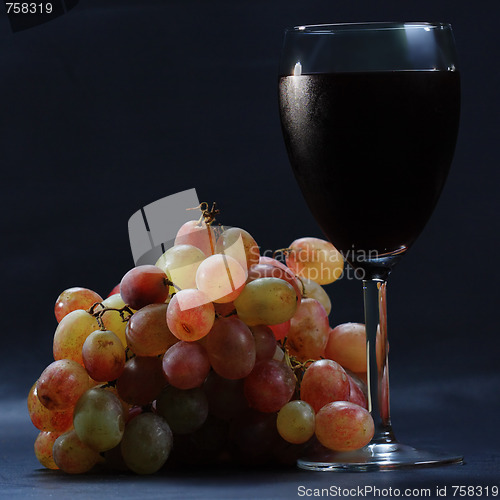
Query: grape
(314,291)
(73,456)
(265,342)
(113,320)
(180,264)
(143,285)
(225,396)
(357,392)
(103,355)
(190,315)
(114,290)
(269,386)
(315,259)
(142,380)
(43,448)
(61,384)
(146,443)
(280,330)
(45,419)
(296,422)
(221,278)
(344,426)
(323,382)
(271,271)
(197,234)
(75,298)
(184,410)
(231,348)
(99,419)
(186,365)
(309,330)
(147,331)
(224,309)
(347,345)
(240,245)
(266,301)
(71,333)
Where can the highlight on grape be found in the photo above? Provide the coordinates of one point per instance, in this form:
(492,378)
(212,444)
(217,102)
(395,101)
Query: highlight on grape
(214,353)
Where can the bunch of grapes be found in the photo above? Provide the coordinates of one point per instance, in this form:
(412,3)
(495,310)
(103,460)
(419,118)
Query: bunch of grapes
(216,353)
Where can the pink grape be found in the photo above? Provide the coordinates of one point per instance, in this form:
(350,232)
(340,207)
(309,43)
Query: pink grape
(315,259)
(344,426)
(61,384)
(347,345)
(73,299)
(240,245)
(265,342)
(143,285)
(356,393)
(198,235)
(103,356)
(147,331)
(269,386)
(186,365)
(141,381)
(221,278)
(231,348)
(323,382)
(309,330)
(190,315)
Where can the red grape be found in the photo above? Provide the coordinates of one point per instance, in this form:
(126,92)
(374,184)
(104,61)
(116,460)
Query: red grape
(186,365)
(144,285)
(269,386)
(344,426)
(103,355)
(323,382)
(231,348)
(265,342)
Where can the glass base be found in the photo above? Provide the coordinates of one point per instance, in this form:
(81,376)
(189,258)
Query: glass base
(383,456)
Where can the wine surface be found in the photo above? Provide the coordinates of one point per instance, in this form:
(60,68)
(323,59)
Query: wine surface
(371,151)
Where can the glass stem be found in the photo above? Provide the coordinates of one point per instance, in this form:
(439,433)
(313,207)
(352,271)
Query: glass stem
(377,347)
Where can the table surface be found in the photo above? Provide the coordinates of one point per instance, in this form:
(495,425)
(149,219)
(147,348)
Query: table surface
(469,428)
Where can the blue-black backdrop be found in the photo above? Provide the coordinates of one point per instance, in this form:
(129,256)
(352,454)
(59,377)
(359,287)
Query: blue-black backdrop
(118,103)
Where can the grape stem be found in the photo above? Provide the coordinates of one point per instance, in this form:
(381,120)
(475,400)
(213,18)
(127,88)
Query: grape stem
(207,216)
(284,251)
(98,314)
(298,367)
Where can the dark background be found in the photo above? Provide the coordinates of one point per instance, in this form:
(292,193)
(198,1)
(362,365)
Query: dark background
(116,104)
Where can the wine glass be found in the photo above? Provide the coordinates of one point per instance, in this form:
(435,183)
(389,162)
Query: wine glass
(369,114)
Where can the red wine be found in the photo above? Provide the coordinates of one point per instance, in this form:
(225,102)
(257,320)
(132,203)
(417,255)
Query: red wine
(371,152)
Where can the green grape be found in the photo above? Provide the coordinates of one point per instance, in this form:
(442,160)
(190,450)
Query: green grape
(99,419)
(296,422)
(184,410)
(266,301)
(146,443)
(73,456)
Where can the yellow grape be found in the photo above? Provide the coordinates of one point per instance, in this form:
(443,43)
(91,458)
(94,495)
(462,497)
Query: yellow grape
(296,422)
(71,333)
(43,448)
(313,290)
(180,264)
(112,319)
